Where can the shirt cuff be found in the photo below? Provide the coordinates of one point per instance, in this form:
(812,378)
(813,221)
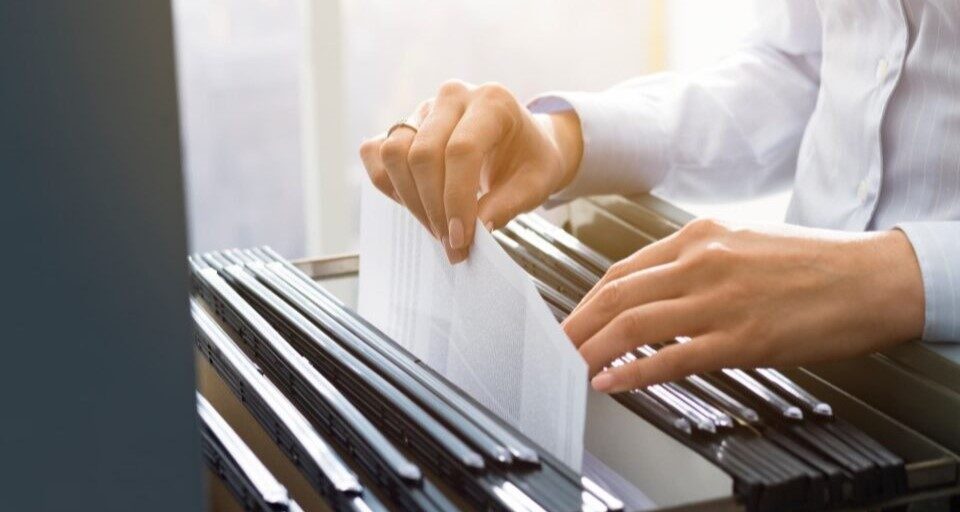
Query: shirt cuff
(937,246)
(623,143)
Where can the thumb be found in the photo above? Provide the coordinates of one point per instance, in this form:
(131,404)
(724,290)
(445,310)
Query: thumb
(519,194)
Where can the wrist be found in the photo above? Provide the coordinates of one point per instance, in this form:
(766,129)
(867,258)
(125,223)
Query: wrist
(896,284)
(563,130)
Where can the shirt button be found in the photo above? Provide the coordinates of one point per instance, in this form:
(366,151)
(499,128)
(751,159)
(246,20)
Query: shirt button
(882,67)
(862,190)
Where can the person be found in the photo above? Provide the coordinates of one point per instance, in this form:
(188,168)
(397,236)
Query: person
(857,104)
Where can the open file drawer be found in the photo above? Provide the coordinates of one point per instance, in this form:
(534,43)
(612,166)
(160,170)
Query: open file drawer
(666,469)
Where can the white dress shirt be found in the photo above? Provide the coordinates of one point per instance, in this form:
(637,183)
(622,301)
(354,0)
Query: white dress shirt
(855,103)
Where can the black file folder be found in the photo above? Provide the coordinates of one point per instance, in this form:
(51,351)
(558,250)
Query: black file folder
(323,468)
(250,482)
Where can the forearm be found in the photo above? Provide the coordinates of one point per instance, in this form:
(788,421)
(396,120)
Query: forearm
(732,130)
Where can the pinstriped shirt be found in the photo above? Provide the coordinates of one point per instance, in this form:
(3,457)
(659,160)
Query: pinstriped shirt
(853,103)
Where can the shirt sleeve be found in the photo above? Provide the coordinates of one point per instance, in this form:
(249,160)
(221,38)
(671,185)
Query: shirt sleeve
(937,246)
(729,131)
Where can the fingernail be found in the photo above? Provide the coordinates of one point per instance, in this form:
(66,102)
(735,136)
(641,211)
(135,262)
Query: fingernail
(458,256)
(446,249)
(455,229)
(488,225)
(602,382)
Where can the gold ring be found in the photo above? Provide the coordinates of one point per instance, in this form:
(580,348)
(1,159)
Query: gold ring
(401,124)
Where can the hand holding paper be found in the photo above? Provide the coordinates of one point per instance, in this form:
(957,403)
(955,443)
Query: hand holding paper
(473,152)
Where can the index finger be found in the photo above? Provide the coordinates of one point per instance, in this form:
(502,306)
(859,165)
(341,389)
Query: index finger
(658,253)
(705,353)
(636,289)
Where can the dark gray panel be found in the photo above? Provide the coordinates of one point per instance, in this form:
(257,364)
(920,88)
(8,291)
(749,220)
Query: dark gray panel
(97,377)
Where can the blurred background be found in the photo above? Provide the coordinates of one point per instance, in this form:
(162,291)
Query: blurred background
(276,95)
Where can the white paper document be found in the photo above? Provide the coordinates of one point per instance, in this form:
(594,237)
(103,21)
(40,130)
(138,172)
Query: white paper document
(480,323)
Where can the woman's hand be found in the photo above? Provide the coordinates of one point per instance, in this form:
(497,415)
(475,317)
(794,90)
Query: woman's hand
(767,296)
(477,153)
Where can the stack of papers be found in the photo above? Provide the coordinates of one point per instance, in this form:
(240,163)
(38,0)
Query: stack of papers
(480,323)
